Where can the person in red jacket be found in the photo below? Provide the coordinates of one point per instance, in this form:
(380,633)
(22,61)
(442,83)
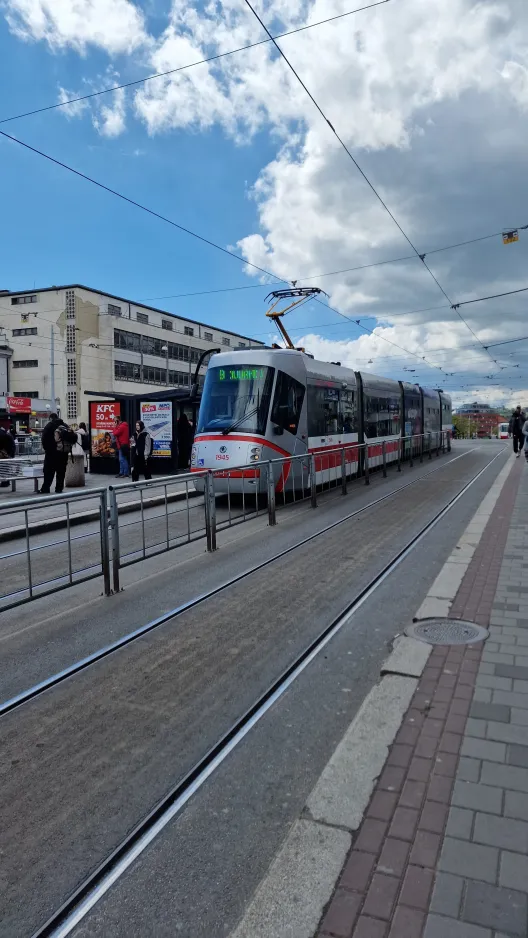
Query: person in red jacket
(122,438)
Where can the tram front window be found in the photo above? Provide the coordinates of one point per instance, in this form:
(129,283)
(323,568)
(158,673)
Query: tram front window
(236,398)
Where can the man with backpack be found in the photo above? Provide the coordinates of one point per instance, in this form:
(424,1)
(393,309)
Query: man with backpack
(57,442)
(515,429)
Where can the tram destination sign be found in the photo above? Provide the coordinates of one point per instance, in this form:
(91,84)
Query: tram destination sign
(240,374)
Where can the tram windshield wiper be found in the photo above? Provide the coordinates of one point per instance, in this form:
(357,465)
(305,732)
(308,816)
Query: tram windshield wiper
(245,416)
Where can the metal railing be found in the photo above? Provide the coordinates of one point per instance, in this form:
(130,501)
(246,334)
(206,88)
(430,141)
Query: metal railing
(168,512)
(26,571)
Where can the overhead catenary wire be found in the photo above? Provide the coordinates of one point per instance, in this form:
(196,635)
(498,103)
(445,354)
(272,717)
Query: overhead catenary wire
(363,174)
(181,68)
(136,204)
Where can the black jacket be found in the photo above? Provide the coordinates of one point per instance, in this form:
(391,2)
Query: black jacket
(516,423)
(7,443)
(49,444)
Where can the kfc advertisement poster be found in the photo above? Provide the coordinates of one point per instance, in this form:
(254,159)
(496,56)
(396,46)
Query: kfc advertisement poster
(102,423)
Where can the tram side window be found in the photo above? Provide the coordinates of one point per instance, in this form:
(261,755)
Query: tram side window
(287,403)
(323,411)
(382,415)
(348,412)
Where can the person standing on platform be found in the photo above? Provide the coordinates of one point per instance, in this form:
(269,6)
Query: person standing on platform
(7,449)
(141,450)
(122,438)
(525,434)
(185,439)
(515,429)
(55,459)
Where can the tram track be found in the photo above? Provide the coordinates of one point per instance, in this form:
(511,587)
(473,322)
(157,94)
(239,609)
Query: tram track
(94,887)
(80,665)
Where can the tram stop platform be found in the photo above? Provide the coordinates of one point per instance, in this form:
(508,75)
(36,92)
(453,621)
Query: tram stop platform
(418,826)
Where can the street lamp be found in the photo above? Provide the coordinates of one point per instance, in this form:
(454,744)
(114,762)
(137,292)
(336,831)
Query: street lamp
(165,348)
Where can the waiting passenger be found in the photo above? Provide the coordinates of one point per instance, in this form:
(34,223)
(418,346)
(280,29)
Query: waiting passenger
(141,448)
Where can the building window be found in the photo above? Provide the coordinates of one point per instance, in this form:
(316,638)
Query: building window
(208,336)
(72,371)
(70,338)
(70,304)
(26,363)
(241,344)
(26,394)
(166,324)
(21,300)
(129,371)
(151,345)
(226,340)
(188,330)
(32,331)
(142,317)
(114,310)
(71,404)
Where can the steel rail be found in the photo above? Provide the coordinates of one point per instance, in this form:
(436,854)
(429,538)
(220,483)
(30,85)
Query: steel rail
(13,702)
(97,884)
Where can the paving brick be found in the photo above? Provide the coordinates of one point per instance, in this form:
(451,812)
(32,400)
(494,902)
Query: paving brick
(342,913)
(517,755)
(370,928)
(425,849)
(504,776)
(382,805)
(420,769)
(460,823)
(507,733)
(392,778)
(501,832)
(450,742)
(432,727)
(482,694)
(469,860)
(496,906)
(447,894)
(357,871)
(476,728)
(412,794)
(404,823)
(433,817)
(440,789)
(519,717)
(408,735)
(400,755)
(465,691)
(393,857)
(497,658)
(446,764)
(494,683)
(483,749)
(498,712)
(461,707)
(439,927)
(520,687)
(513,871)
(371,835)
(512,699)
(407,923)
(455,723)
(516,805)
(512,670)
(477,797)
(468,769)
(416,888)
(381,896)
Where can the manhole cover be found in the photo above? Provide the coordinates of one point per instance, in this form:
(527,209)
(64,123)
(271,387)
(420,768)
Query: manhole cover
(446,632)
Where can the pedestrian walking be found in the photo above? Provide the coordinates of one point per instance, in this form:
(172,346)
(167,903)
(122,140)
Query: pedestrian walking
(184,433)
(525,434)
(122,438)
(57,442)
(7,449)
(141,446)
(515,429)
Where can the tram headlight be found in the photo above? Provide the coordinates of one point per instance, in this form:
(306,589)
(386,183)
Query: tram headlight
(255,452)
(193,455)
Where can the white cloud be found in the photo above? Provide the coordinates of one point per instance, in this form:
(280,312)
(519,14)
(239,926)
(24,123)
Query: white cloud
(76,108)
(110,118)
(112,25)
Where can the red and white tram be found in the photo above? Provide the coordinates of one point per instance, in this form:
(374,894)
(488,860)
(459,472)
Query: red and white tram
(272,403)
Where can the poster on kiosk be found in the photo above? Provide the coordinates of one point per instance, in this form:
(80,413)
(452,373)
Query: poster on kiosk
(102,425)
(157,417)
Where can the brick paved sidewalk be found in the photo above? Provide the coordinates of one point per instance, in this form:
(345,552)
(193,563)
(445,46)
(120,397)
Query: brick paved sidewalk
(443,849)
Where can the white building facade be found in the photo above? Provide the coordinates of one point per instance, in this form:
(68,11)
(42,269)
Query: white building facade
(68,341)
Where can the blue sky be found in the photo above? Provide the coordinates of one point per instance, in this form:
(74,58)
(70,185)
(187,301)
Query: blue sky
(433,103)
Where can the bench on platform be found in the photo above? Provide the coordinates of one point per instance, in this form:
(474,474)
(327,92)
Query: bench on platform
(21,468)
